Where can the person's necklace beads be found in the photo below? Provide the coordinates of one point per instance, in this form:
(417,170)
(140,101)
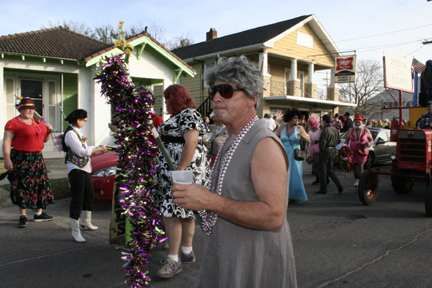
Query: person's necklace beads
(38,130)
(209,218)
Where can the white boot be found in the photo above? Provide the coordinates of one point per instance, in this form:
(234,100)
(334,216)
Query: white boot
(76,233)
(86,221)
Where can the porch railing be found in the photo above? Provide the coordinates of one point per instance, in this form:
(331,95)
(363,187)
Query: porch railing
(205,108)
(277,88)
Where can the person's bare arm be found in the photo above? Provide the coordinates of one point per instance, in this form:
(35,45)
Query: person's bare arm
(280,129)
(369,136)
(48,135)
(7,140)
(269,176)
(191,142)
(303,134)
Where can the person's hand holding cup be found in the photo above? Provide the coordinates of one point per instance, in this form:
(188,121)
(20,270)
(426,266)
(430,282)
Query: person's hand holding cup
(183,177)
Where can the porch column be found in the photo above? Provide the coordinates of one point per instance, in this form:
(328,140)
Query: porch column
(310,87)
(164,111)
(294,69)
(333,89)
(3,105)
(311,73)
(293,84)
(263,64)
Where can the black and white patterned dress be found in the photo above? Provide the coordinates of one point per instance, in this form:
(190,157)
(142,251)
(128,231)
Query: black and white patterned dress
(176,126)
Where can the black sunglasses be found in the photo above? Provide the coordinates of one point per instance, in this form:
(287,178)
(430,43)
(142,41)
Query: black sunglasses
(225,90)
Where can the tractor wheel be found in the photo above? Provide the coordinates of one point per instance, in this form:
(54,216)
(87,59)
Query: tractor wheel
(428,201)
(370,161)
(402,185)
(368,187)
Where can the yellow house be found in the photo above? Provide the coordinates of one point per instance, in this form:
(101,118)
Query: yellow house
(288,53)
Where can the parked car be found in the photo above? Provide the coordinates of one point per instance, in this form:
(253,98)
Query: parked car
(104,168)
(379,150)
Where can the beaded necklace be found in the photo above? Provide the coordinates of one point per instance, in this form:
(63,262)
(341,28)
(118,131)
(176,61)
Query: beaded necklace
(34,124)
(209,217)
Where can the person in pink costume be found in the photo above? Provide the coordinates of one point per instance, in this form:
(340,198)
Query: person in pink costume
(358,136)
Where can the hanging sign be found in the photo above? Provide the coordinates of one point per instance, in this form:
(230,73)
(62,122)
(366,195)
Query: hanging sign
(345,69)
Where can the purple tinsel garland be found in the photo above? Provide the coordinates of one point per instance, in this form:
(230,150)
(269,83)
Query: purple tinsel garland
(131,113)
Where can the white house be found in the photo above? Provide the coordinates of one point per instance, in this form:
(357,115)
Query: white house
(54,67)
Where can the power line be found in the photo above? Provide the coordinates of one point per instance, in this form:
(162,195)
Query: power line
(428,18)
(365,15)
(383,33)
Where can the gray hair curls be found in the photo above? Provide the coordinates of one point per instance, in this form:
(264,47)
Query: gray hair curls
(241,72)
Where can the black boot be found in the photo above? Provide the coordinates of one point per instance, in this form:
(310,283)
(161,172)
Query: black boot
(316,182)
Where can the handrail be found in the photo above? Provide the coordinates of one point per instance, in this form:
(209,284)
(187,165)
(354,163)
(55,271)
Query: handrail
(206,108)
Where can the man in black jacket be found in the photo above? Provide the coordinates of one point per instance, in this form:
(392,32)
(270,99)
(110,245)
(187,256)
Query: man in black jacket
(327,144)
(348,123)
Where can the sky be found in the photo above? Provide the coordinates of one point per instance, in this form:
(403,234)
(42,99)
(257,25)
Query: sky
(367,27)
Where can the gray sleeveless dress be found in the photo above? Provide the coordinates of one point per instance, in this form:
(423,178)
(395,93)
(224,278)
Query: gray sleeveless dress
(235,256)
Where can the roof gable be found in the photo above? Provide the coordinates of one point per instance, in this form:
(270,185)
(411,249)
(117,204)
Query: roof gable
(246,38)
(143,39)
(264,36)
(57,42)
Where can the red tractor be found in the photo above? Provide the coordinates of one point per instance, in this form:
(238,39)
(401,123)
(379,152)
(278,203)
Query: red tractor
(413,160)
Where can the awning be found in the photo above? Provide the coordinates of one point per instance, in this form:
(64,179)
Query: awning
(309,100)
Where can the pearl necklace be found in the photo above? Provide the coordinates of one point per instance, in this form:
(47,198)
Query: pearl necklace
(209,217)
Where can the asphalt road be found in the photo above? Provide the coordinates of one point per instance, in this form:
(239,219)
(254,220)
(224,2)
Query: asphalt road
(338,242)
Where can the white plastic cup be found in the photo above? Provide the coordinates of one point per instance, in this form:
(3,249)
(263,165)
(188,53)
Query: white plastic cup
(182,177)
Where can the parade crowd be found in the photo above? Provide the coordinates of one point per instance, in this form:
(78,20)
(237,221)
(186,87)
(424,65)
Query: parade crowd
(241,189)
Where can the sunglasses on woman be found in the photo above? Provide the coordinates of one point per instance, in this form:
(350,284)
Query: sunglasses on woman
(225,90)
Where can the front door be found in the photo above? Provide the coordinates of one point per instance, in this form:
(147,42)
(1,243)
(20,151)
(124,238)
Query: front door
(44,91)
(33,90)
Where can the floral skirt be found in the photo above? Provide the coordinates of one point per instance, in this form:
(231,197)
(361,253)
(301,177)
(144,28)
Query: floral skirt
(30,186)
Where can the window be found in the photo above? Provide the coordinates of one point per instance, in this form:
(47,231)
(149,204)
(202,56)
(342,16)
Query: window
(304,40)
(384,135)
(207,66)
(10,98)
(300,76)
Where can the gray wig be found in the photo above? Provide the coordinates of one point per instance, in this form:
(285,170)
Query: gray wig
(239,71)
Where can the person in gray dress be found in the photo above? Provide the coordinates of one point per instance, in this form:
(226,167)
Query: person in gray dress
(247,240)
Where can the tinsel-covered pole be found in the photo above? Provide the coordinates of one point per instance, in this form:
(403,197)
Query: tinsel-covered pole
(131,113)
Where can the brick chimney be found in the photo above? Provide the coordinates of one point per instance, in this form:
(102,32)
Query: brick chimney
(212,34)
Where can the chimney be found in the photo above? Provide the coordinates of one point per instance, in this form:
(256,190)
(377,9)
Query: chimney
(212,34)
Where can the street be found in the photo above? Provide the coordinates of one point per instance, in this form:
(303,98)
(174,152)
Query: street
(338,242)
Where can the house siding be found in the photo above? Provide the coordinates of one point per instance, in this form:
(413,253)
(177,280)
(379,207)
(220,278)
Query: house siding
(70,95)
(300,52)
(158,93)
(194,85)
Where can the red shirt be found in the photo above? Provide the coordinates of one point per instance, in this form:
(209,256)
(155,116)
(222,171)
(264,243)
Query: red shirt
(27,137)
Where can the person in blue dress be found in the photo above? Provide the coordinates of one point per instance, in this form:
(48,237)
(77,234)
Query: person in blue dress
(290,134)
